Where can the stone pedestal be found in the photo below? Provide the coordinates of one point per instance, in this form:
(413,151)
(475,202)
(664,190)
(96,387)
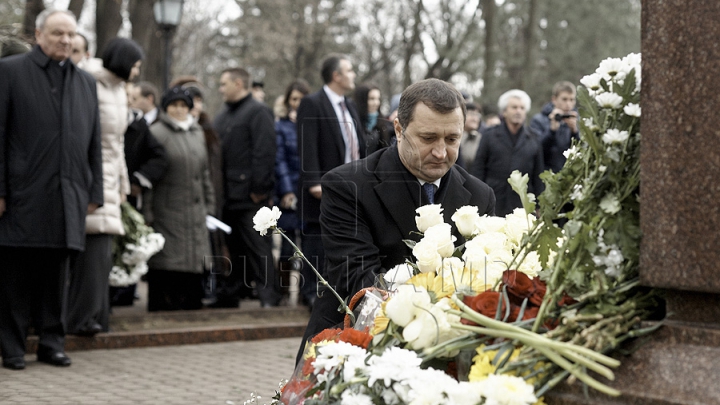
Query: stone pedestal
(680,210)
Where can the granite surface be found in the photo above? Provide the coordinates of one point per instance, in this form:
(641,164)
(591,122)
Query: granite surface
(680,151)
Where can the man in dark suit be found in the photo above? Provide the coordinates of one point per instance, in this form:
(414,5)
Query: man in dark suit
(507,147)
(329,135)
(50,179)
(368,206)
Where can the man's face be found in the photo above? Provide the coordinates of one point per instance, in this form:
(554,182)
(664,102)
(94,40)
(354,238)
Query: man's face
(429,145)
(231,89)
(565,101)
(472,121)
(79,49)
(56,37)
(515,113)
(345,76)
(137,101)
(258,94)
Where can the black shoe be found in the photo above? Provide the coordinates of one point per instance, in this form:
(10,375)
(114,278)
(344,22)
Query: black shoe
(89,331)
(59,359)
(14,363)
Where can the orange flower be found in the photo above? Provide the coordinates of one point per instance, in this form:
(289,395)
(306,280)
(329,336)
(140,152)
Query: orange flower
(294,390)
(327,334)
(356,337)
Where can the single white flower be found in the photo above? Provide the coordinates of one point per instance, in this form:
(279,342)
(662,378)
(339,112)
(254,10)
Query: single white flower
(613,69)
(466,219)
(405,304)
(633,61)
(609,100)
(487,243)
(590,124)
(265,219)
(531,264)
(507,390)
(571,152)
(632,110)
(517,224)
(610,204)
(429,215)
(398,275)
(428,258)
(441,235)
(592,82)
(615,136)
(577,193)
(602,168)
(491,224)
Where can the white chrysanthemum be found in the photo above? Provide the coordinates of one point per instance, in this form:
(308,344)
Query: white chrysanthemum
(427,387)
(633,61)
(398,275)
(507,390)
(590,124)
(333,354)
(441,235)
(465,393)
(609,100)
(610,204)
(405,304)
(391,365)
(592,82)
(613,69)
(265,219)
(577,193)
(466,219)
(632,110)
(571,152)
(615,136)
(429,215)
(351,398)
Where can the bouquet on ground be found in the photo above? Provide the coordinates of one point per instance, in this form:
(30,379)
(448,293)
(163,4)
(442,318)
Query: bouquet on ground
(132,250)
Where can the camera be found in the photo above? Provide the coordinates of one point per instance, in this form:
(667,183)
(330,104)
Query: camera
(560,117)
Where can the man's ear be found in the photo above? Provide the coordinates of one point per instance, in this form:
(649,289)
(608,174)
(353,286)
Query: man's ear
(398,129)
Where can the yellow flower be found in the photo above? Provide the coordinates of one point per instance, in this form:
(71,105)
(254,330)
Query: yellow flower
(381,321)
(482,363)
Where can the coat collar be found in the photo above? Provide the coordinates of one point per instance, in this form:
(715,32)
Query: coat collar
(504,136)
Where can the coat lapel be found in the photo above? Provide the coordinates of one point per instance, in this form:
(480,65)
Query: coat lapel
(329,113)
(397,184)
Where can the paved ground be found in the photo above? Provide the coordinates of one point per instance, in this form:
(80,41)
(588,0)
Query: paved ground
(214,373)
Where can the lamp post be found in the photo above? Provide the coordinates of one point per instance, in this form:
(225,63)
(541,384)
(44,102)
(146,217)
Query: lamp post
(167,15)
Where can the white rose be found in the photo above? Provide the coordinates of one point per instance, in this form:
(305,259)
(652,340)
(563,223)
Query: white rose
(610,204)
(517,224)
(428,258)
(491,224)
(441,236)
(428,215)
(632,110)
(265,219)
(398,274)
(466,219)
(488,242)
(609,100)
(404,305)
(615,136)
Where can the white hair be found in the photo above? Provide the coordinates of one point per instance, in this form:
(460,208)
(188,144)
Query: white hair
(43,16)
(514,93)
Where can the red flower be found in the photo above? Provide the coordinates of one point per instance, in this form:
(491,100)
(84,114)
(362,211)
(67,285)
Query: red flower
(295,389)
(327,334)
(307,368)
(530,313)
(536,298)
(356,337)
(519,285)
(485,303)
(566,300)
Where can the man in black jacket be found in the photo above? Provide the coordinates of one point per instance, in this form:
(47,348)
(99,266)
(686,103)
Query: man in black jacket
(368,206)
(247,133)
(557,125)
(50,178)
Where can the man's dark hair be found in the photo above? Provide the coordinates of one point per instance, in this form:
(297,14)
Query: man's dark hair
(472,107)
(438,95)
(330,65)
(85,40)
(239,73)
(147,89)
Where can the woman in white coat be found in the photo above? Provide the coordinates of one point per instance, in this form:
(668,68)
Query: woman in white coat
(88,298)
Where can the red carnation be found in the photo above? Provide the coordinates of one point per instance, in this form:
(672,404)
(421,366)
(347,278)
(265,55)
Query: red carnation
(356,337)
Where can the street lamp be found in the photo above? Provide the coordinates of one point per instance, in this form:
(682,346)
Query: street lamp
(167,15)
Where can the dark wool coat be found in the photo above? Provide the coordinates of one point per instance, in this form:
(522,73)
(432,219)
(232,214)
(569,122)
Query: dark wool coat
(554,143)
(182,198)
(50,155)
(247,134)
(497,158)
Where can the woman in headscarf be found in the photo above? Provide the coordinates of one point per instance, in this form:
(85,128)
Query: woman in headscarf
(88,302)
(181,201)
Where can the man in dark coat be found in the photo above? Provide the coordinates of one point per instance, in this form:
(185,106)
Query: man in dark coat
(50,178)
(507,147)
(368,206)
(329,135)
(247,134)
(556,125)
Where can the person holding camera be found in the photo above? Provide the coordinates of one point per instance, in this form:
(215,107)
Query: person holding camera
(556,125)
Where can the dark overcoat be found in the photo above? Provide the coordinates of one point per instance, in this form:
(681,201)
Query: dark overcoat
(50,153)
(497,158)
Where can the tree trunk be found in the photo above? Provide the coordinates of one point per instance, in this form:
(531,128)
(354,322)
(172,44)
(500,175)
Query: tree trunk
(529,37)
(107,22)
(489,13)
(146,33)
(32,9)
(76,6)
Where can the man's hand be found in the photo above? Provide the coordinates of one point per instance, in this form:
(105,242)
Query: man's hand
(288,201)
(571,122)
(258,198)
(316,191)
(91,208)
(2,206)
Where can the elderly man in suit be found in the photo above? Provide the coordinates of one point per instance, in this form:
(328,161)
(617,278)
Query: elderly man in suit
(329,135)
(507,147)
(50,178)
(368,206)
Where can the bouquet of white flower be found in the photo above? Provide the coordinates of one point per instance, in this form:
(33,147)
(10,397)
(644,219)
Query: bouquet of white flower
(132,250)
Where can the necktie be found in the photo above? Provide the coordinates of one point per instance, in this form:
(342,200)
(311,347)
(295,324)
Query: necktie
(349,135)
(429,190)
